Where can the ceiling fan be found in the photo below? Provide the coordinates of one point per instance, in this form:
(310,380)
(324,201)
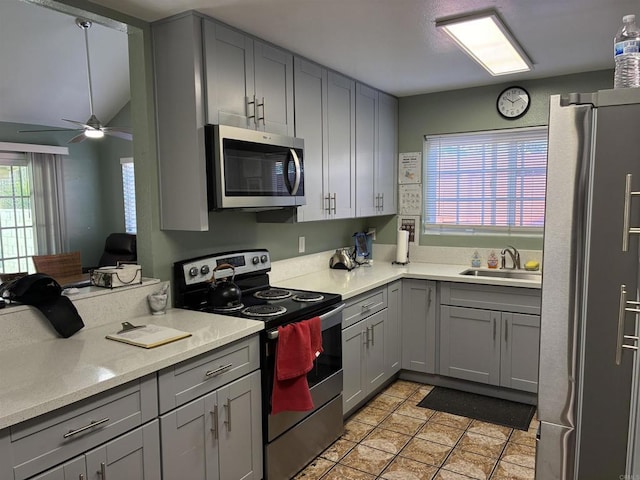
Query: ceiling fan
(92,128)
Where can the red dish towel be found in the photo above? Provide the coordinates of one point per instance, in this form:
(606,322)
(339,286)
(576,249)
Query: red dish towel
(296,351)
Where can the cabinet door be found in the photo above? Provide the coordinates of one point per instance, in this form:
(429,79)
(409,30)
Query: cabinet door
(419,326)
(341,160)
(229,76)
(73,470)
(375,366)
(393,332)
(133,456)
(520,351)
(353,357)
(469,344)
(366,149)
(239,420)
(274,89)
(190,438)
(310,120)
(387,156)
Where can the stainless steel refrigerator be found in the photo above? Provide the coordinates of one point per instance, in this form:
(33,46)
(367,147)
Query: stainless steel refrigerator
(588,336)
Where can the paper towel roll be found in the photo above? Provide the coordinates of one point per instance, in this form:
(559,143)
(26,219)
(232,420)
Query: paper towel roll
(402,246)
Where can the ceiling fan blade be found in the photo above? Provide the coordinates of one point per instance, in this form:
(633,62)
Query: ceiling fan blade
(51,130)
(78,138)
(118,133)
(81,124)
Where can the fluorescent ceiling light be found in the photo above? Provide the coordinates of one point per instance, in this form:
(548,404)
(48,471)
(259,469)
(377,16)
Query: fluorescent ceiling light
(488,41)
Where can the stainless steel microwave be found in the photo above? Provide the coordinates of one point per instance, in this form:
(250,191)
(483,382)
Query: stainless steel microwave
(252,169)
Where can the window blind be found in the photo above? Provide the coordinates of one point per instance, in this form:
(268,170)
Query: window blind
(492,181)
(129,194)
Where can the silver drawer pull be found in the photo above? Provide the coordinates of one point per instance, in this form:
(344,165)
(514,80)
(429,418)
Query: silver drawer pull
(71,433)
(81,477)
(103,471)
(219,370)
(367,306)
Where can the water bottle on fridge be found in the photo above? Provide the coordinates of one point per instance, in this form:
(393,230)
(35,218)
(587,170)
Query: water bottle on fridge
(626,51)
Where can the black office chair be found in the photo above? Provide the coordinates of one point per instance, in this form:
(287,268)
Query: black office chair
(119,247)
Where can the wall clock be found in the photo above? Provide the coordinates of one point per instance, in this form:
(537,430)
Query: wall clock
(513,102)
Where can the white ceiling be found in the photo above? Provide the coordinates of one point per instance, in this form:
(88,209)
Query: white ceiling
(392,45)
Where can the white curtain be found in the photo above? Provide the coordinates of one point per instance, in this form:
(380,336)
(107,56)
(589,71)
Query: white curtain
(48,203)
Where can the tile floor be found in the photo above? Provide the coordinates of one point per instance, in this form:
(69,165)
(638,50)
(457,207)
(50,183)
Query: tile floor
(391,438)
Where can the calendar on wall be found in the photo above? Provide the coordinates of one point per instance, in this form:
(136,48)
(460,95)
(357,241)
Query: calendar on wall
(410,168)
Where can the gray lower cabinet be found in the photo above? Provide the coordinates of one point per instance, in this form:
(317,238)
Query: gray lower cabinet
(419,317)
(217,436)
(371,336)
(363,359)
(486,345)
(133,456)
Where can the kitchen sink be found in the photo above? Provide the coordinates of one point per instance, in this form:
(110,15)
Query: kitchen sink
(517,274)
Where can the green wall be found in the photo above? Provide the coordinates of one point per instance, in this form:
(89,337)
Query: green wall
(93,196)
(471,110)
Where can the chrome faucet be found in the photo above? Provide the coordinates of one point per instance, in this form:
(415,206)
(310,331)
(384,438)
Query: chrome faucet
(515,257)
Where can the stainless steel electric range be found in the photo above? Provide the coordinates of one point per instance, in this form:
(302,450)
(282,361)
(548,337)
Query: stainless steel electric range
(305,433)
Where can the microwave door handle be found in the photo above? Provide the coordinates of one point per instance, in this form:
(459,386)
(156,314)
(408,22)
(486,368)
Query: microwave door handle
(296,162)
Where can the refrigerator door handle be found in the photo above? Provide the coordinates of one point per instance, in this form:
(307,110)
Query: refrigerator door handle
(625,306)
(626,220)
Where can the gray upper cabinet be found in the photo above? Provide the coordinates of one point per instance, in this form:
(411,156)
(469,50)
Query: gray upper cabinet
(340,172)
(376,152)
(177,49)
(249,84)
(387,159)
(311,124)
(419,316)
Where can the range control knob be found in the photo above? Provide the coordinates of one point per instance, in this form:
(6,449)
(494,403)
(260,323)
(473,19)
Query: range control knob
(255,260)
(264,259)
(193,272)
(204,269)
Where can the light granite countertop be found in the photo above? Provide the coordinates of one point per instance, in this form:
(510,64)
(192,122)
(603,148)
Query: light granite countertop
(43,376)
(361,279)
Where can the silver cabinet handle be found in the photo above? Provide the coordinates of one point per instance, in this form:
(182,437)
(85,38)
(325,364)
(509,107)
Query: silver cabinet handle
(429,300)
(367,306)
(214,429)
(219,370)
(335,202)
(377,202)
(255,121)
(373,342)
(494,329)
(71,433)
(264,123)
(328,199)
(365,342)
(103,471)
(81,477)
(506,331)
(626,220)
(227,407)
(296,162)
(382,201)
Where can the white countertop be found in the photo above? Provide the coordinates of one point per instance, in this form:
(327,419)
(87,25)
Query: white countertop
(364,278)
(43,376)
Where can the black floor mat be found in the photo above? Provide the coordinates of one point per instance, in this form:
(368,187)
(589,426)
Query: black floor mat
(488,409)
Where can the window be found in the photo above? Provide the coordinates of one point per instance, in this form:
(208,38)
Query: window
(129,194)
(17,239)
(486,182)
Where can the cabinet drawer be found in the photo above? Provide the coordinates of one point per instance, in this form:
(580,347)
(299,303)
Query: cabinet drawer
(187,380)
(45,441)
(364,306)
(491,297)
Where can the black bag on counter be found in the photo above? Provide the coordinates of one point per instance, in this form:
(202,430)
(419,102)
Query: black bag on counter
(45,293)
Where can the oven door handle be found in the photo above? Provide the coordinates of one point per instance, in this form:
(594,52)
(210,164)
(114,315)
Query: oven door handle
(273,334)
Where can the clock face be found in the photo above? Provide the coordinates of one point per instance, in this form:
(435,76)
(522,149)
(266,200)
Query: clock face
(513,102)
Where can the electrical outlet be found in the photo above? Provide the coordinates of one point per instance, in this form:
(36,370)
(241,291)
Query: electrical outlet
(301,245)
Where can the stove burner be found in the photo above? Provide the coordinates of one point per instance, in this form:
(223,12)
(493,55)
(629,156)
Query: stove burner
(264,310)
(272,294)
(308,297)
(228,309)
